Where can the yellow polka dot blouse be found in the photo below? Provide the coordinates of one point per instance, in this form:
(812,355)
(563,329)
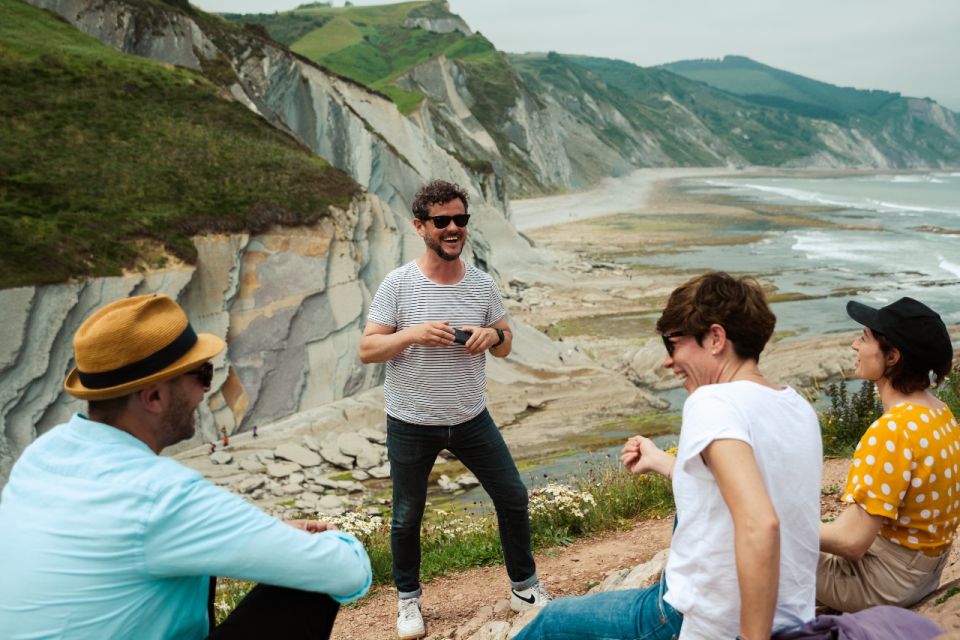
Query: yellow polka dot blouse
(907,469)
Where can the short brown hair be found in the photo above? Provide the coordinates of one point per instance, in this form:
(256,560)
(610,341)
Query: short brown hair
(736,304)
(437,192)
(906,374)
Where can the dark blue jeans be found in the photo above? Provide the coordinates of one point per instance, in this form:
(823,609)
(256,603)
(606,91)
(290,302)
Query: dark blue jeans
(632,614)
(413,449)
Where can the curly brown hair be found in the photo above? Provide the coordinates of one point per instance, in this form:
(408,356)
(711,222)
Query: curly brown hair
(736,304)
(437,192)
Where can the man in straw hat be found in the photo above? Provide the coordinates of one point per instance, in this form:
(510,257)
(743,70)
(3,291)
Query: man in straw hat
(104,538)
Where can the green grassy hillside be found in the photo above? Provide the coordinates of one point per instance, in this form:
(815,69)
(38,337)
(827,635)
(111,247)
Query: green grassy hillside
(647,98)
(102,150)
(368,44)
(766,85)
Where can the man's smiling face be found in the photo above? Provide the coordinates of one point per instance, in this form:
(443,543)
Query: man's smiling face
(447,242)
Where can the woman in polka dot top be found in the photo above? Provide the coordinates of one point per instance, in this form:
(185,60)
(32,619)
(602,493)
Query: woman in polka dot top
(890,545)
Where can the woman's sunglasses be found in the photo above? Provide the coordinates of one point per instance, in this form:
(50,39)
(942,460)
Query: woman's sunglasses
(668,342)
(442,222)
(203,373)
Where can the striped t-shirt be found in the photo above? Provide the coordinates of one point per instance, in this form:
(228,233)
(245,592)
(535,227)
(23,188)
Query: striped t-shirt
(433,385)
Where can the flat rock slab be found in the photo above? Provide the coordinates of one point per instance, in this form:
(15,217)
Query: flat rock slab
(332,454)
(352,444)
(296,453)
(221,457)
(282,469)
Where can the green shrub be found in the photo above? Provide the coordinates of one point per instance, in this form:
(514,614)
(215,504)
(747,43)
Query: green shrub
(949,391)
(848,417)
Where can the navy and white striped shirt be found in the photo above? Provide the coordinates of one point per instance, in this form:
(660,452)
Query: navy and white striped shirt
(434,385)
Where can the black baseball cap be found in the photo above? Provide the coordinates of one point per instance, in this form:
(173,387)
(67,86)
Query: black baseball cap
(911,326)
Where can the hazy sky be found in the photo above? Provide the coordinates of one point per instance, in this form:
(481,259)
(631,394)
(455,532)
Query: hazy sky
(908,46)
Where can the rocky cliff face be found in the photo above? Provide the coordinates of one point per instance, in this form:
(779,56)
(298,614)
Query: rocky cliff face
(290,302)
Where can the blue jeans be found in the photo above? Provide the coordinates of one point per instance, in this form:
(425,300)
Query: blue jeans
(633,614)
(412,449)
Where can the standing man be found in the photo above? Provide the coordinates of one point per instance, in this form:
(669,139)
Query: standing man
(104,538)
(434,394)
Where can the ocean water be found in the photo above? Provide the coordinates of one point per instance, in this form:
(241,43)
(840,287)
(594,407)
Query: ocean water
(904,248)
(907,244)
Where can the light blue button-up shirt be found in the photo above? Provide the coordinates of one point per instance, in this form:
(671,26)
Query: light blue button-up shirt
(101,538)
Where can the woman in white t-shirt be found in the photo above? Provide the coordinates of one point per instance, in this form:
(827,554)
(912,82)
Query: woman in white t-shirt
(746,481)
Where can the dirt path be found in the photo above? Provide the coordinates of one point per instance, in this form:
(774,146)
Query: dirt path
(448,603)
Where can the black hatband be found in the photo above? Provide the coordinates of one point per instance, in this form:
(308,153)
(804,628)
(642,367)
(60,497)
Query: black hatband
(142,368)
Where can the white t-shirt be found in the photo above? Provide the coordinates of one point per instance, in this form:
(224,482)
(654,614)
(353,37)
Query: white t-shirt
(433,385)
(783,430)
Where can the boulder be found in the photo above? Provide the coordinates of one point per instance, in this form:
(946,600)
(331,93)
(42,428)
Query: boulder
(295,453)
(311,443)
(310,498)
(282,469)
(352,444)
(251,484)
(323,481)
(467,481)
(360,474)
(446,484)
(373,435)
(370,456)
(221,457)
(330,502)
(496,630)
(252,464)
(383,471)
(331,453)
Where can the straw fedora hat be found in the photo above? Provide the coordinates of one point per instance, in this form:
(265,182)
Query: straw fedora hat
(132,343)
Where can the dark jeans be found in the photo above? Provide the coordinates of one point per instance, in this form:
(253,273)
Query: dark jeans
(276,612)
(413,449)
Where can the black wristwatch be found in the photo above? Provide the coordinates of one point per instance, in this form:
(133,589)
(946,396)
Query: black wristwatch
(499,335)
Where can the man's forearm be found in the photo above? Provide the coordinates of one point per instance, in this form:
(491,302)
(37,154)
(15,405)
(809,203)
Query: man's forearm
(380,347)
(505,347)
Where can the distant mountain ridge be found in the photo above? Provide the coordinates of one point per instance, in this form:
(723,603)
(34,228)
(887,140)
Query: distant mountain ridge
(762,84)
(548,122)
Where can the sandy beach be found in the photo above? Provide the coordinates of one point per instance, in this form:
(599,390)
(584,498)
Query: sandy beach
(625,194)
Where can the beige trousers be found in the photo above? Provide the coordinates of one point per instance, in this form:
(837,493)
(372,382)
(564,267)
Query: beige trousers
(887,574)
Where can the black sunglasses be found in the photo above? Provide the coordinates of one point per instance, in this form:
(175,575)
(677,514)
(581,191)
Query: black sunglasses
(668,342)
(442,222)
(203,373)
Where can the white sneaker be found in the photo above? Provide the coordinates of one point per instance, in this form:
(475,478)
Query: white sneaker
(410,620)
(534,597)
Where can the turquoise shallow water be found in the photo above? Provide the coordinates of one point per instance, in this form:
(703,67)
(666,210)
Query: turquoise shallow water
(913,248)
